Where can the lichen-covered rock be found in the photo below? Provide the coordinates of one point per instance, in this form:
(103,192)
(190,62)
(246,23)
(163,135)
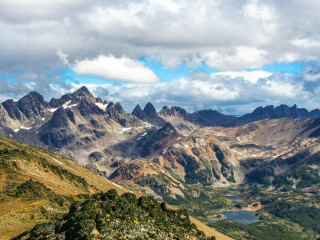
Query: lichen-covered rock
(110,216)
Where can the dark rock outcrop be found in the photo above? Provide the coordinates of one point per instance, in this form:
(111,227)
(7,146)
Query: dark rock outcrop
(88,108)
(158,140)
(210,118)
(137,111)
(174,111)
(32,105)
(13,110)
(110,216)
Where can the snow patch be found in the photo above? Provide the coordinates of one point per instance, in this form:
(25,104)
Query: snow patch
(125,129)
(66,105)
(43,119)
(254,155)
(57,161)
(142,135)
(22,127)
(53,109)
(102,106)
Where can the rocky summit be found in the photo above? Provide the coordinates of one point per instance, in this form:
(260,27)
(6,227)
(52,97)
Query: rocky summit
(110,216)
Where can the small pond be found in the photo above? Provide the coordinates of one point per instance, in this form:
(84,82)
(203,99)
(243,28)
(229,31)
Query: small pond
(244,217)
(234,198)
(268,147)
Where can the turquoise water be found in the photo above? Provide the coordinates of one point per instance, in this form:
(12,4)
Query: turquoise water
(244,217)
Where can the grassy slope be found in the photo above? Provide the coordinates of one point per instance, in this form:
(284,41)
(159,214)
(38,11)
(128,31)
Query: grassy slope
(66,179)
(21,162)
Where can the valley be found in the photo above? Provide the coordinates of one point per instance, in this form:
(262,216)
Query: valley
(269,158)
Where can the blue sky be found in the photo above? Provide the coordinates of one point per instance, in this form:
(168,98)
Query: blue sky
(227,55)
(167,74)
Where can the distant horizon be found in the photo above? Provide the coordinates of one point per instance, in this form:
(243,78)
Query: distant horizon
(159,107)
(230,56)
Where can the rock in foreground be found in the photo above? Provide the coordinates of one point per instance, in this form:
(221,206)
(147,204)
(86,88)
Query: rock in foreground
(110,216)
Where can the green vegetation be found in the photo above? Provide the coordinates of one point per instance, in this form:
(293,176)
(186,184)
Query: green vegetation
(110,216)
(30,190)
(64,174)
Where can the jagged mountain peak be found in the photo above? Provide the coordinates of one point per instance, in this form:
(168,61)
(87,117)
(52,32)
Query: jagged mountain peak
(78,95)
(149,109)
(119,107)
(137,111)
(173,111)
(32,105)
(82,92)
(33,95)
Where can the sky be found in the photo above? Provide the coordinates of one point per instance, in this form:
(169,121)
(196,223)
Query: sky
(231,55)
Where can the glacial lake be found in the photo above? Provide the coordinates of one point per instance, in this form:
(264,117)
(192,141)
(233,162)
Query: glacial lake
(244,217)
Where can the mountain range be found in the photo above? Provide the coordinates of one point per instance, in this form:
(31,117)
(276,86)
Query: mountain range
(177,157)
(102,136)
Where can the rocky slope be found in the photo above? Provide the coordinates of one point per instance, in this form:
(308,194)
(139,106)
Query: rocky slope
(178,118)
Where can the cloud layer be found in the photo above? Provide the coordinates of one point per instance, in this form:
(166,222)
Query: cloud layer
(228,35)
(106,38)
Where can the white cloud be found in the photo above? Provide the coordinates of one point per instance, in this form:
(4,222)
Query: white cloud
(121,69)
(229,93)
(63,57)
(252,76)
(242,58)
(230,36)
(282,89)
(262,12)
(306,43)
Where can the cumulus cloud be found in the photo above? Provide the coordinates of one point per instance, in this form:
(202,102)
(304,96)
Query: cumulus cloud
(119,69)
(229,35)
